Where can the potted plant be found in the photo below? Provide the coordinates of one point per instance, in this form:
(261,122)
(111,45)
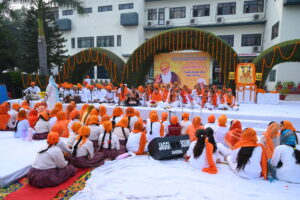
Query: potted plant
(290,85)
(278,86)
(298,87)
(282,93)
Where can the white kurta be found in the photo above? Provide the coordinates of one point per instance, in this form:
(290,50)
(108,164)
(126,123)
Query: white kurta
(52,93)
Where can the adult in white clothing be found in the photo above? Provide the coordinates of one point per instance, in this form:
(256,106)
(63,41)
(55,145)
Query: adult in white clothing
(52,93)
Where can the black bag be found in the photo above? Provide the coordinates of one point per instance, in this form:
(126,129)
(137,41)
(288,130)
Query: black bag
(169,147)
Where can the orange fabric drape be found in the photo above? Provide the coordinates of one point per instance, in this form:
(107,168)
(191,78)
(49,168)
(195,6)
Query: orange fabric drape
(272,132)
(4,117)
(212,169)
(234,134)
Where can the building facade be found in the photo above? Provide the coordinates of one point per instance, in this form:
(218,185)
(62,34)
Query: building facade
(249,26)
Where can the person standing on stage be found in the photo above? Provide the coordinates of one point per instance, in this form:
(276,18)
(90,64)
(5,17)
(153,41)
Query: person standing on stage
(166,76)
(52,93)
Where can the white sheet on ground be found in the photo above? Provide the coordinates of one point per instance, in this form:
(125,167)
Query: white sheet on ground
(141,177)
(16,157)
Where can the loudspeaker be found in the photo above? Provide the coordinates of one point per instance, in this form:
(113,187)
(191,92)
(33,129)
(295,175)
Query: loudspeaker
(169,147)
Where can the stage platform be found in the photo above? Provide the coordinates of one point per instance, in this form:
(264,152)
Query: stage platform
(141,177)
(256,116)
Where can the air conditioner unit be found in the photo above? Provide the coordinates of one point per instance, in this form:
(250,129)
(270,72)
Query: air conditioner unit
(257,17)
(192,21)
(168,22)
(257,49)
(149,23)
(220,19)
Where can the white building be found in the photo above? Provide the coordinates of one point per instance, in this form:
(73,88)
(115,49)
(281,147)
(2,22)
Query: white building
(250,26)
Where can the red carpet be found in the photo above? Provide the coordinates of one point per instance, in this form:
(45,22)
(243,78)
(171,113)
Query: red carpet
(29,192)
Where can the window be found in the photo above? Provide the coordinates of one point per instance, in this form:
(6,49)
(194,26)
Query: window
(85,42)
(275,29)
(104,8)
(226,8)
(88,10)
(67,12)
(73,43)
(119,42)
(228,38)
(201,10)
(272,75)
(251,40)
(152,14)
(178,12)
(125,6)
(105,41)
(161,16)
(254,6)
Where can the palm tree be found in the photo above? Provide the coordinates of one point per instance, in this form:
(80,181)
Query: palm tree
(39,5)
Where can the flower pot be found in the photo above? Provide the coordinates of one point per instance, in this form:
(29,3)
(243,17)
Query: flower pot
(290,87)
(282,97)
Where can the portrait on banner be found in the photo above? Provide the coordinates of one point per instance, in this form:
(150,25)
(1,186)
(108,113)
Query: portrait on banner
(245,74)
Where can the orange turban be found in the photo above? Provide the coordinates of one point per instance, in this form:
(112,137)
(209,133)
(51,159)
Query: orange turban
(196,122)
(117,112)
(211,118)
(25,105)
(61,116)
(70,108)
(32,117)
(138,126)
(16,107)
(73,103)
(130,112)
(154,117)
(36,105)
(32,84)
(53,137)
(58,128)
(76,126)
(94,120)
(74,114)
(185,116)
(174,120)
(141,89)
(45,115)
(21,115)
(109,88)
(287,125)
(151,112)
(83,132)
(164,116)
(122,123)
(104,118)
(222,120)
(58,106)
(53,112)
(94,111)
(102,110)
(107,126)
(137,113)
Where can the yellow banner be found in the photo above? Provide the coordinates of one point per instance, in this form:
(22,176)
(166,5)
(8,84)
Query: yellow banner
(185,68)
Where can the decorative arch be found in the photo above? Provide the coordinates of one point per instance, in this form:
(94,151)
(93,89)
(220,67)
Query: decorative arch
(178,39)
(78,65)
(288,51)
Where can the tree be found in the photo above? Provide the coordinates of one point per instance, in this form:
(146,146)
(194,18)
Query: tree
(29,59)
(39,5)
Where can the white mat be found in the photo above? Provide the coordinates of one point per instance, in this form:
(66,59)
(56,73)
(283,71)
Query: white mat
(16,157)
(141,177)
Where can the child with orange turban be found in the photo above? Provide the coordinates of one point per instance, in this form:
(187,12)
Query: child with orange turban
(42,127)
(74,117)
(248,158)
(116,115)
(122,131)
(102,111)
(109,142)
(191,130)
(211,119)
(22,125)
(130,113)
(165,121)
(52,117)
(62,120)
(154,128)
(32,117)
(221,130)
(50,162)
(73,133)
(69,109)
(84,155)
(95,130)
(174,128)
(137,139)
(185,123)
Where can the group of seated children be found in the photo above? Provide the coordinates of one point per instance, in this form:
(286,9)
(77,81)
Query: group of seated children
(88,137)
